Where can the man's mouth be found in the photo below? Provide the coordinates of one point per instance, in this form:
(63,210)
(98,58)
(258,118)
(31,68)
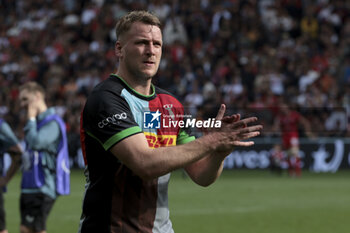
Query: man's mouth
(149,62)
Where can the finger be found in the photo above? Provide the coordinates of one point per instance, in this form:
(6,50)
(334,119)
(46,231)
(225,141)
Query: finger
(250,129)
(243,123)
(249,135)
(245,144)
(237,117)
(228,119)
(231,119)
(221,112)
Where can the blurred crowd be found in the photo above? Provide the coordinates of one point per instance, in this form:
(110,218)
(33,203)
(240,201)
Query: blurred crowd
(252,55)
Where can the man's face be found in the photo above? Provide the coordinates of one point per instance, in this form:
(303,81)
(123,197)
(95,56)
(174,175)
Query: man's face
(26,98)
(140,50)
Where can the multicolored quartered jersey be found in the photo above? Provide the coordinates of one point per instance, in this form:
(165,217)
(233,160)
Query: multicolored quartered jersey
(116,199)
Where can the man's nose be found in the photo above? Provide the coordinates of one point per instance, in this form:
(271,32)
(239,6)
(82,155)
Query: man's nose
(150,49)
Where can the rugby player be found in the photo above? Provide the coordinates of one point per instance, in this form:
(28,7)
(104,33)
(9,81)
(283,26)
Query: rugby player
(128,162)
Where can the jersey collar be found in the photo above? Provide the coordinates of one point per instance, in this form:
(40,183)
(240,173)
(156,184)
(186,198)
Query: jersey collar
(151,96)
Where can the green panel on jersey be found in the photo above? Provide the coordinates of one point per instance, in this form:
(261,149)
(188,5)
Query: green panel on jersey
(117,137)
(184,138)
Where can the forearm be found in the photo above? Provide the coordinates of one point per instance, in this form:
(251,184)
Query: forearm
(30,133)
(205,171)
(151,163)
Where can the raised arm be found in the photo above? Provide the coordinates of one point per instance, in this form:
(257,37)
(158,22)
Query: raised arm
(212,148)
(205,171)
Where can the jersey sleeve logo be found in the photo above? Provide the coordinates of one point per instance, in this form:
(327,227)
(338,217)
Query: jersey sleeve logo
(114,119)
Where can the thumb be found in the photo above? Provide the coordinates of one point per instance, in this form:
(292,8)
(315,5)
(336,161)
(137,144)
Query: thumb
(221,112)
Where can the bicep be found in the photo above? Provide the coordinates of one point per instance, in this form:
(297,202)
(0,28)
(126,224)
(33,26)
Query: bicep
(131,150)
(108,118)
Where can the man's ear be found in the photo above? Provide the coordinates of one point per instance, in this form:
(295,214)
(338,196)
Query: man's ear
(118,49)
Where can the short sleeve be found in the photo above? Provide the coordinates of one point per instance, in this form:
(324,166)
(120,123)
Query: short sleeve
(7,137)
(107,118)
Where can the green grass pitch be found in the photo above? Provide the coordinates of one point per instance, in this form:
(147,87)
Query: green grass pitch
(240,201)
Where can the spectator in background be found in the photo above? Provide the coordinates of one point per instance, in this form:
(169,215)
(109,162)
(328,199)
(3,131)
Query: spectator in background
(309,24)
(161,8)
(8,144)
(336,123)
(174,30)
(194,98)
(45,139)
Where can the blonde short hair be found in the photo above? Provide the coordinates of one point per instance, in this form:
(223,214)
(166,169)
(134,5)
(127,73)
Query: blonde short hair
(125,22)
(32,87)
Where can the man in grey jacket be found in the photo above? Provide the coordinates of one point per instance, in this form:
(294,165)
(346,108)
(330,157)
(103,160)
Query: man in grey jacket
(38,191)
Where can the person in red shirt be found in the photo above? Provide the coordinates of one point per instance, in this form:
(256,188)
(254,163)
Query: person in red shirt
(287,123)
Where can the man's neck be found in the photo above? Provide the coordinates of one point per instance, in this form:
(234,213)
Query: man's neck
(141,86)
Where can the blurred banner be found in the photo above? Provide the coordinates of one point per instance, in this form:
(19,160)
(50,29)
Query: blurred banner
(318,155)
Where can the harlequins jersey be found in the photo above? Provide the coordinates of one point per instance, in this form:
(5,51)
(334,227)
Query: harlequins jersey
(116,199)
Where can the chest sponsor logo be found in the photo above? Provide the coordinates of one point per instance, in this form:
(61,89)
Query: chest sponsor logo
(114,119)
(155,141)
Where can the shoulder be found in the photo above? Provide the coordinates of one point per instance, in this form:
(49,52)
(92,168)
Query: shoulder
(159,90)
(5,127)
(166,96)
(110,85)
(106,93)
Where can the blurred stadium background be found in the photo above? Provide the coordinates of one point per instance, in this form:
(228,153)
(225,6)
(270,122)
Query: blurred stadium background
(252,55)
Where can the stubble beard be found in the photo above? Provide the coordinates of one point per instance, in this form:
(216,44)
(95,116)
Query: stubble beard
(140,75)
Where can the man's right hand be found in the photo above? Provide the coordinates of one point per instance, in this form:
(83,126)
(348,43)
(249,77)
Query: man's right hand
(233,131)
(32,110)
